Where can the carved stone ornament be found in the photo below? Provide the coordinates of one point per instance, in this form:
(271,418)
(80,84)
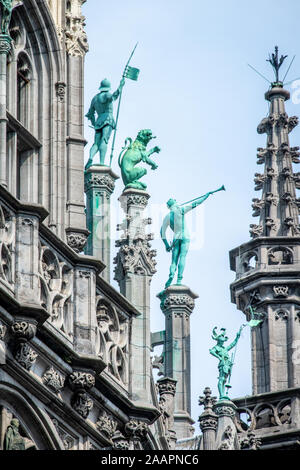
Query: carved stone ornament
(208,423)
(250,441)
(69,442)
(173,301)
(61,91)
(7,245)
(77,241)
(120,442)
(81,380)
(5,44)
(76,38)
(56,289)
(25,356)
(256,230)
(137,258)
(3,329)
(23,330)
(257,206)
(133,200)
(224,410)
(112,339)
(96,181)
(158,363)
(82,403)
(227,439)
(107,424)
(53,379)
(281,291)
(281,315)
(167,385)
(136,429)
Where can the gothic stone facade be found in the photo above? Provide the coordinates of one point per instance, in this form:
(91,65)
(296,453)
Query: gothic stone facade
(65,333)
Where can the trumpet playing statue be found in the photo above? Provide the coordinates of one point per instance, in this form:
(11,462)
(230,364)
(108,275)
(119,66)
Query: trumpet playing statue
(181,240)
(101,116)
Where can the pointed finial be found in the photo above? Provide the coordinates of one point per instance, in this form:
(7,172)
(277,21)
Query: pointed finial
(276,64)
(207,401)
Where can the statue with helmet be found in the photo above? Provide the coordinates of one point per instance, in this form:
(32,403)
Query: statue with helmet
(181,240)
(101,117)
(221,352)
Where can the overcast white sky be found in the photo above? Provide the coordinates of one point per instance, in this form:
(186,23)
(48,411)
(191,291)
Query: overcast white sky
(203,103)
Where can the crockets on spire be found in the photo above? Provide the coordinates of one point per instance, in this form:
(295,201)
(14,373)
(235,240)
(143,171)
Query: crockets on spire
(278,207)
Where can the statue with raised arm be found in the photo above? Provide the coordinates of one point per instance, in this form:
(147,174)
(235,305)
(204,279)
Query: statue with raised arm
(221,352)
(101,116)
(181,240)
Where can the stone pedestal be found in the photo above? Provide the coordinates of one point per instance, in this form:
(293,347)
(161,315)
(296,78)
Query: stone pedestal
(99,186)
(135,266)
(177,304)
(5,45)
(226,438)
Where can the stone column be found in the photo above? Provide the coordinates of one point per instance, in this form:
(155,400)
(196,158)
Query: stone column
(135,266)
(226,433)
(167,390)
(208,420)
(99,186)
(5,46)
(177,304)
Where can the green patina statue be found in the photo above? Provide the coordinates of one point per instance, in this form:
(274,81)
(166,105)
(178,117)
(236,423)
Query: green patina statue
(13,439)
(134,153)
(6,7)
(181,240)
(102,105)
(221,352)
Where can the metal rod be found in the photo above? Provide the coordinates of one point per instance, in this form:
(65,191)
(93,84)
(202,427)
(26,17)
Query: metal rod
(259,73)
(119,104)
(289,68)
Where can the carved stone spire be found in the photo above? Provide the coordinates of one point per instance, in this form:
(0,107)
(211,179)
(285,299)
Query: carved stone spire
(278,207)
(267,267)
(135,266)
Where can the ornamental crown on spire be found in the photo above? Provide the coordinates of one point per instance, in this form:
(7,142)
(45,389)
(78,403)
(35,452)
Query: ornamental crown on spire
(276,64)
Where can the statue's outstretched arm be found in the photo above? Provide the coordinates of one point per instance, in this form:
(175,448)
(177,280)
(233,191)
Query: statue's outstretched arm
(163,230)
(116,94)
(197,202)
(234,342)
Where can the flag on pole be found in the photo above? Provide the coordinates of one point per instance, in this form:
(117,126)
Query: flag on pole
(131,73)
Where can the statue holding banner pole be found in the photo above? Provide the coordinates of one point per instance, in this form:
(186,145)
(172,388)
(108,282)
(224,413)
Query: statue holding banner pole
(104,123)
(181,240)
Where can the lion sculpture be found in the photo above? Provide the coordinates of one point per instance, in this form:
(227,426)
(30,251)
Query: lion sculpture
(134,153)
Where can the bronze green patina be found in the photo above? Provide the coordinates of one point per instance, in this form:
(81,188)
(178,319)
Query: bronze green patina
(181,240)
(13,439)
(134,153)
(221,352)
(104,123)
(101,116)
(254,321)
(6,7)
